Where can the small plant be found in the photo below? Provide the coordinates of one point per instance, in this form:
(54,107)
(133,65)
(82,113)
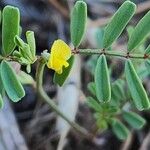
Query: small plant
(109,100)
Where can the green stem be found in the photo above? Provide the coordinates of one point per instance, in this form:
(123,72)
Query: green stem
(45,97)
(110,53)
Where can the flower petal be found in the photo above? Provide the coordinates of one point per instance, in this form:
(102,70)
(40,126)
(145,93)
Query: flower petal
(61,50)
(50,61)
(60,53)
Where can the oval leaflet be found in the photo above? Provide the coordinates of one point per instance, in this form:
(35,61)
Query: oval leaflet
(11,83)
(78,22)
(102,80)
(10,28)
(118,23)
(136,88)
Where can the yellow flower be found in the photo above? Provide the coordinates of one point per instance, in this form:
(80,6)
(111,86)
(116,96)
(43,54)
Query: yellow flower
(60,53)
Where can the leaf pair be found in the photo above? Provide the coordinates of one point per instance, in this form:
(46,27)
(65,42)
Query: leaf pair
(102,80)
(136,88)
(78,22)
(118,23)
(27,51)
(133,119)
(10,28)
(30,44)
(11,83)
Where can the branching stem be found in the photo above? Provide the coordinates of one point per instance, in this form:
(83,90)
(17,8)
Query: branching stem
(109,53)
(45,97)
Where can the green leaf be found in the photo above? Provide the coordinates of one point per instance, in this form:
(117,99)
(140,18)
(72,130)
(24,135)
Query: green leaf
(147,64)
(102,124)
(1,102)
(2,90)
(117,89)
(60,78)
(134,120)
(11,83)
(92,103)
(143,71)
(25,78)
(118,23)
(140,32)
(24,48)
(112,109)
(31,41)
(26,53)
(136,88)
(28,68)
(10,28)
(147,51)
(0,17)
(120,130)
(17,54)
(130,29)
(18,41)
(102,80)
(91,87)
(78,22)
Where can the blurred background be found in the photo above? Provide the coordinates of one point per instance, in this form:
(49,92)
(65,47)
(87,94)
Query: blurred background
(31,124)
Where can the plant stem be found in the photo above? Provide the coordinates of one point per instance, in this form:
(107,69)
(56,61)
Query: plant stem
(110,53)
(45,97)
